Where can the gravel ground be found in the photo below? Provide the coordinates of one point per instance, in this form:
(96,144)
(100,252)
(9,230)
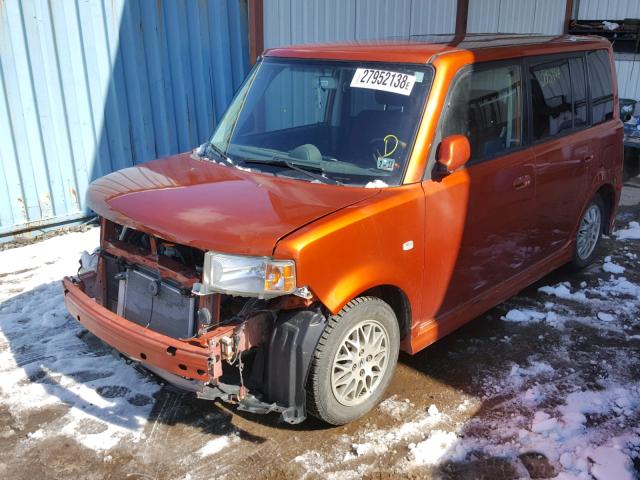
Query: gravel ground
(545,385)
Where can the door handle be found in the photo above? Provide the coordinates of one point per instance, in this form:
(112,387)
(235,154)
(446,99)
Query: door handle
(588,158)
(522,182)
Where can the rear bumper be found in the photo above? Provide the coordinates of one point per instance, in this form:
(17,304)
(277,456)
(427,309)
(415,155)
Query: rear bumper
(151,348)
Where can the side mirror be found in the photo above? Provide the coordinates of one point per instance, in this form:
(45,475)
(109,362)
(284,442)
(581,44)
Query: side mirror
(454,152)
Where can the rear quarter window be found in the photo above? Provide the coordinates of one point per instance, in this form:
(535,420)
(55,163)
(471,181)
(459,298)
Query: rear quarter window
(600,84)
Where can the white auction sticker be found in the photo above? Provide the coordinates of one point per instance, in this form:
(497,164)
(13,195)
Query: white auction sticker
(384,80)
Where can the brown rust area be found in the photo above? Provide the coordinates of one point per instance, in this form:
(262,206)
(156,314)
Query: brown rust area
(251,333)
(101,287)
(166,267)
(291,302)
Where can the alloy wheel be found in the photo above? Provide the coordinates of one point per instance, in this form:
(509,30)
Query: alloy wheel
(360,363)
(589,231)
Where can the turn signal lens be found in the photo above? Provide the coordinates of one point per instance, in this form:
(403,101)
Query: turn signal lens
(280,277)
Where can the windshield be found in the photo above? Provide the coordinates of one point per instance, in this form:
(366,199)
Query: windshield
(325,121)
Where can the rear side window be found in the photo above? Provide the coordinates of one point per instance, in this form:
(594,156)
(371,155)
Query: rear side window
(600,85)
(486,106)
(551,98)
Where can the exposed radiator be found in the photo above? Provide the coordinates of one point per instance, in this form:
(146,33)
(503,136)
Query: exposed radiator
(138,295)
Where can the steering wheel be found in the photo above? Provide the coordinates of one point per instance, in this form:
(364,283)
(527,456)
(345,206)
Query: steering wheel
(384,146)
(376,147)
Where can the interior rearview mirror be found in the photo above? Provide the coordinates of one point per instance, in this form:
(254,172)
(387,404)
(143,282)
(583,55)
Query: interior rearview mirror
(454,152)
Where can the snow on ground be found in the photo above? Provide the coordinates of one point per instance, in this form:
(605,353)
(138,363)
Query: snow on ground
(438,445)
(631,232)
(344,461)
(47,359)
(612,267)
(394,407)
(216,445)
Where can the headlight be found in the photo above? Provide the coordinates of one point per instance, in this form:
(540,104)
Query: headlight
(261,277)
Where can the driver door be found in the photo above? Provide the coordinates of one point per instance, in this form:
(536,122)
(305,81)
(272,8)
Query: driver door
(480,219)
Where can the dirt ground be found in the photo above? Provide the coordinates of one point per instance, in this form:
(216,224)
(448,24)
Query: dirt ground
(469,378)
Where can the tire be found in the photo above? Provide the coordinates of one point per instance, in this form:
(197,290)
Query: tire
(338,364)
(588,234)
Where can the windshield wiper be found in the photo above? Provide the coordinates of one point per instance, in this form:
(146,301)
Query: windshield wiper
(207,147)
(293,166)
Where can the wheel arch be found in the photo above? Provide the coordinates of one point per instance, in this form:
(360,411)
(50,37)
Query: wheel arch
(397,300)
(608,195)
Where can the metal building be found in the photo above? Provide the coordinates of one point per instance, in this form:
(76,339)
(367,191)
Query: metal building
(90,86)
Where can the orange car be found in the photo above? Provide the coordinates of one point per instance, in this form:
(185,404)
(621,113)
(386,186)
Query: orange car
(355,200)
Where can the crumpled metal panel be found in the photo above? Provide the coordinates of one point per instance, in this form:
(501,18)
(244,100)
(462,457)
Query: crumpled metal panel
(91,86)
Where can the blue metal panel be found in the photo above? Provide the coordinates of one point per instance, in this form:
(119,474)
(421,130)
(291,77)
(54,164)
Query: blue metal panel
(433,16)
(90,86)
(308,21)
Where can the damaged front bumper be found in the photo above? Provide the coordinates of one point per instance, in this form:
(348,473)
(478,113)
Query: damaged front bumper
(195,364)
(172,355)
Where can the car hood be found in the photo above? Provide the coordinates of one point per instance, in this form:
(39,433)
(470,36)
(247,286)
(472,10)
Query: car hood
(199,203)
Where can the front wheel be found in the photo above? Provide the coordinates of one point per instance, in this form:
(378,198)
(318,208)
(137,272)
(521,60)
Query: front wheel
(589,233)
(354,361)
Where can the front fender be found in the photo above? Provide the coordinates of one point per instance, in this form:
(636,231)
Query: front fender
(376,242)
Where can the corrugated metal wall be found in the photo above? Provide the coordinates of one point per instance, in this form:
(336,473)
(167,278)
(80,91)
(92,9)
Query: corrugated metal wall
(626,65)
(288,22)
(304,21)
(90,86)
(608,9)
(516,16)
(628,78)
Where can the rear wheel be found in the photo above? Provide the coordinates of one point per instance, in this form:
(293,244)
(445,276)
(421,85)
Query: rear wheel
(354,361)
(589,233)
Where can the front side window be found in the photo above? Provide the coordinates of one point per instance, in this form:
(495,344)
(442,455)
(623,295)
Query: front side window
(486,106)
(335,122)
(601,87)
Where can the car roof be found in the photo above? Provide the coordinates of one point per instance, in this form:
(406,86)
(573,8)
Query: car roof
(422,48)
